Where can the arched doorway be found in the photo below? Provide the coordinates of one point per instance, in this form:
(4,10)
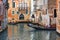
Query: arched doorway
(21,17)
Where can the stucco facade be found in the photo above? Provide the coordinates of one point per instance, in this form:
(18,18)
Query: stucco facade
(46,8)
(51,10)
(38,8)
(22,7)
(58,17)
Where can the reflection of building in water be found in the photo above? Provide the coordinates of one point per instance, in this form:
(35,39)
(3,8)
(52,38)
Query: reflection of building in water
(19,10)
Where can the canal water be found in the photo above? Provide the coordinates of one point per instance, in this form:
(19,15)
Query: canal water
(22,32)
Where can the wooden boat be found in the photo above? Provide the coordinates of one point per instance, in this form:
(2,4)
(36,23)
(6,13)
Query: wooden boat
(39,27)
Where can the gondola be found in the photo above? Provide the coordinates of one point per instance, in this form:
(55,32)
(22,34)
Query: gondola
(39,27)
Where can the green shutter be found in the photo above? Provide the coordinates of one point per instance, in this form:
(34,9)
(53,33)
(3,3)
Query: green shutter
(13,4)
(12,12)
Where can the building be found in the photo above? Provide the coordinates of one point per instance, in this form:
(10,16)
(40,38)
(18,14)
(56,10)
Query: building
(19,10)
(37,11)
(37,7)
(46,8)
(3,16)
(52,10)
(58,17)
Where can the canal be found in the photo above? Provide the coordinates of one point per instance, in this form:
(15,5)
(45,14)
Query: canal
(22,32)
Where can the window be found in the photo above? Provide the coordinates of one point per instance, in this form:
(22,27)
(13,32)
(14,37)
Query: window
(12,18)
(41,7)
(21,17)
(59,6)
(40,17)
(33,16)
(12,12)
(34,0)
(44,2)
(59,22)
(12,0)
(26,11)
(17,12)
(55,13)
(46,11)
(13,4)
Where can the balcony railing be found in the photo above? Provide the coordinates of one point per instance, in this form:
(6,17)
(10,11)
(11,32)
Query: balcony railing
(23,6)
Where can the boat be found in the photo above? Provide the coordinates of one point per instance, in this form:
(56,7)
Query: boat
(39,27)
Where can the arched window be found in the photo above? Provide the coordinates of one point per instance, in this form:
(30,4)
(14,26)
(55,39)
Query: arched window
(26,11)
(33,16)
(21,17)
(13,4)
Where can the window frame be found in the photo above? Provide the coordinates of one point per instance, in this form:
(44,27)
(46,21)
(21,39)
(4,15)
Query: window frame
(12,12)
(13,4)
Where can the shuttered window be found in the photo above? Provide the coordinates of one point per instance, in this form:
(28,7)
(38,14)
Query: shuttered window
(12,12)
(13,4)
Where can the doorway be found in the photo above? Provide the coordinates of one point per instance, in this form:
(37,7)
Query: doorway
(21,17)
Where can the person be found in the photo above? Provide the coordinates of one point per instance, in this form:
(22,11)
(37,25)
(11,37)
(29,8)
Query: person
(1,13)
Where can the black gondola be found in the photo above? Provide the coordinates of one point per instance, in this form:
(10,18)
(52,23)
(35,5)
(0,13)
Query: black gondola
(38,27)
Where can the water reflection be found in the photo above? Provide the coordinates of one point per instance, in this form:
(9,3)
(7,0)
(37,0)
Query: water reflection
(4,35)
(44,35)
(58,37)
(23,32)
